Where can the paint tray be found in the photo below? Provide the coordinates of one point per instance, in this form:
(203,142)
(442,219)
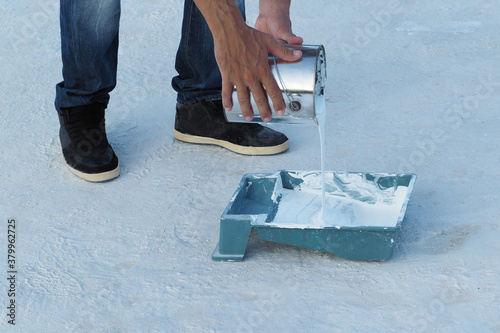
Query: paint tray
(359,221)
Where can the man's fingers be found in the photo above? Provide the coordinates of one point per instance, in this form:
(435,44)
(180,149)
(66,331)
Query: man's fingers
(227,95)
(244,101)
(293,39)
(289,37)
(260,98)
(275,94)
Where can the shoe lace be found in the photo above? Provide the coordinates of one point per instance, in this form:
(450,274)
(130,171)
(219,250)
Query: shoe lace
(83,126)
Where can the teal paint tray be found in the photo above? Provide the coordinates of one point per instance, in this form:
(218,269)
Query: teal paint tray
(360,218)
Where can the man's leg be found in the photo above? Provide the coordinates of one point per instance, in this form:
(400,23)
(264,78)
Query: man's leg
(200,115)
(89,48)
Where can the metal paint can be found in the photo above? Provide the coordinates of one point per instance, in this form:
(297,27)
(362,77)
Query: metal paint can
(302,84)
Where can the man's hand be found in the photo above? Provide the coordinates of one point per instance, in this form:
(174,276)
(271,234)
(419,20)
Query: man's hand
(244,63)
(242,55)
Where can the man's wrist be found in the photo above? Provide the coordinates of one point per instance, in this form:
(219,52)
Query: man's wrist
(274,7)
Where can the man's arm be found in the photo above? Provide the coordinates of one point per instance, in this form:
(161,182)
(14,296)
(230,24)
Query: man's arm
(242,55)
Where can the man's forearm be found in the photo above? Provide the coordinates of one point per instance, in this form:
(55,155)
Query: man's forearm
(274,19)
(222,16)
(274,7)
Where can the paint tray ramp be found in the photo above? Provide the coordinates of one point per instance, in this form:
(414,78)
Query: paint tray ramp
(360,218)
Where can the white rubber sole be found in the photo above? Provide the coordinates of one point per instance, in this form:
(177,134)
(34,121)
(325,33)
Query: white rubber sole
(231,146)
(97,177)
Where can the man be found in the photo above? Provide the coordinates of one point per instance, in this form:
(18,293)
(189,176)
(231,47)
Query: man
(217,52)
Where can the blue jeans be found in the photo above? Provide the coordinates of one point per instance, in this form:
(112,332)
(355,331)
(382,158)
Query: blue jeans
(89,48)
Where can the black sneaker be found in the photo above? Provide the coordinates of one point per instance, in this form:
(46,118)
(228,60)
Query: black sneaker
(205,123)
(84,144)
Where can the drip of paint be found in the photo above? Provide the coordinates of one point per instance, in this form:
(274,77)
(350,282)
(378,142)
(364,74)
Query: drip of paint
(321,117)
